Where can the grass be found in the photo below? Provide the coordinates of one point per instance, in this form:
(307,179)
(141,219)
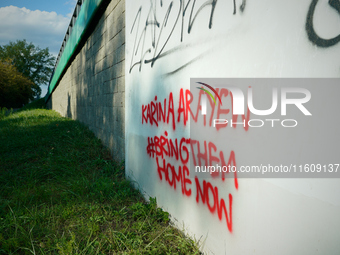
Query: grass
(37,104)
(61,193)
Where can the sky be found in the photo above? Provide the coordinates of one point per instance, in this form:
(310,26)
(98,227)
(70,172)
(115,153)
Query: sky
(42,22)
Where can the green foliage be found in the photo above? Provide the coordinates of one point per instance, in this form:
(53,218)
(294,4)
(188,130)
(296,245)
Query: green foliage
(32,62)
(5,112)
(61,193)
(15,88)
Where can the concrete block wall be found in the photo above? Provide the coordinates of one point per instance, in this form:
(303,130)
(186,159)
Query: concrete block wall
(92,90)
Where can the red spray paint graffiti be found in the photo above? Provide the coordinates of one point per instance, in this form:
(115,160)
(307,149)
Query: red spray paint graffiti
(215,205)
(157,112)
(172,155)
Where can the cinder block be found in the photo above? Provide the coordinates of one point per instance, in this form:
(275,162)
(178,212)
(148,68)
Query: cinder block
(120,8)
(110,58)
(123,68)
(120,115)
(112,29)
(109,8)
(119,67)
(120,21)
(113,72)
(121,37)
(113,86)
(121,84)
(119,97)
(120,53)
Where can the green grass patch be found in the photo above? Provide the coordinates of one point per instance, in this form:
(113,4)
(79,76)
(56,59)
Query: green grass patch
(61,193)
(37,104)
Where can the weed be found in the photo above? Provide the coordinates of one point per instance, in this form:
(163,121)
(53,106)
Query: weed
(5,112)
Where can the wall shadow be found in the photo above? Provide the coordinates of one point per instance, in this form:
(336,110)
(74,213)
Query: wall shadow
(92,86)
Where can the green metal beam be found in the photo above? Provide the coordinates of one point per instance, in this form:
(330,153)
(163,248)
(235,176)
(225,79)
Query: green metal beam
(86,14)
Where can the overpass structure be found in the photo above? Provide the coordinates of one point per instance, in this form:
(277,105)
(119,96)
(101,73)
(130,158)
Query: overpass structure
(129,70)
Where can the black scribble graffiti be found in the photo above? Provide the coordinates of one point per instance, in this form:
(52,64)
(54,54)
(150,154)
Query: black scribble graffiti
(156,55)
(243,5)
(192,20)
(156,25)
(312,35)
(184,66)
(152,22)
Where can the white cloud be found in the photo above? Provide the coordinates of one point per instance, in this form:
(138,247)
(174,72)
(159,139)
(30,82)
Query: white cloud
(71,4)
(43,29)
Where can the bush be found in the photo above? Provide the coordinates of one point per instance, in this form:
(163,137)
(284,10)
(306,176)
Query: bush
(5,112)
(15,89)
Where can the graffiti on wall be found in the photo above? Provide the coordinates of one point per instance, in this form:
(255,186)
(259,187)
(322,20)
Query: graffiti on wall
(167,151)
(152,28)
(154,25)
(312,34)
(161,28)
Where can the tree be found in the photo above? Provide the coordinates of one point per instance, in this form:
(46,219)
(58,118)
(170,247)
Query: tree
(34,63)
(15,89)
